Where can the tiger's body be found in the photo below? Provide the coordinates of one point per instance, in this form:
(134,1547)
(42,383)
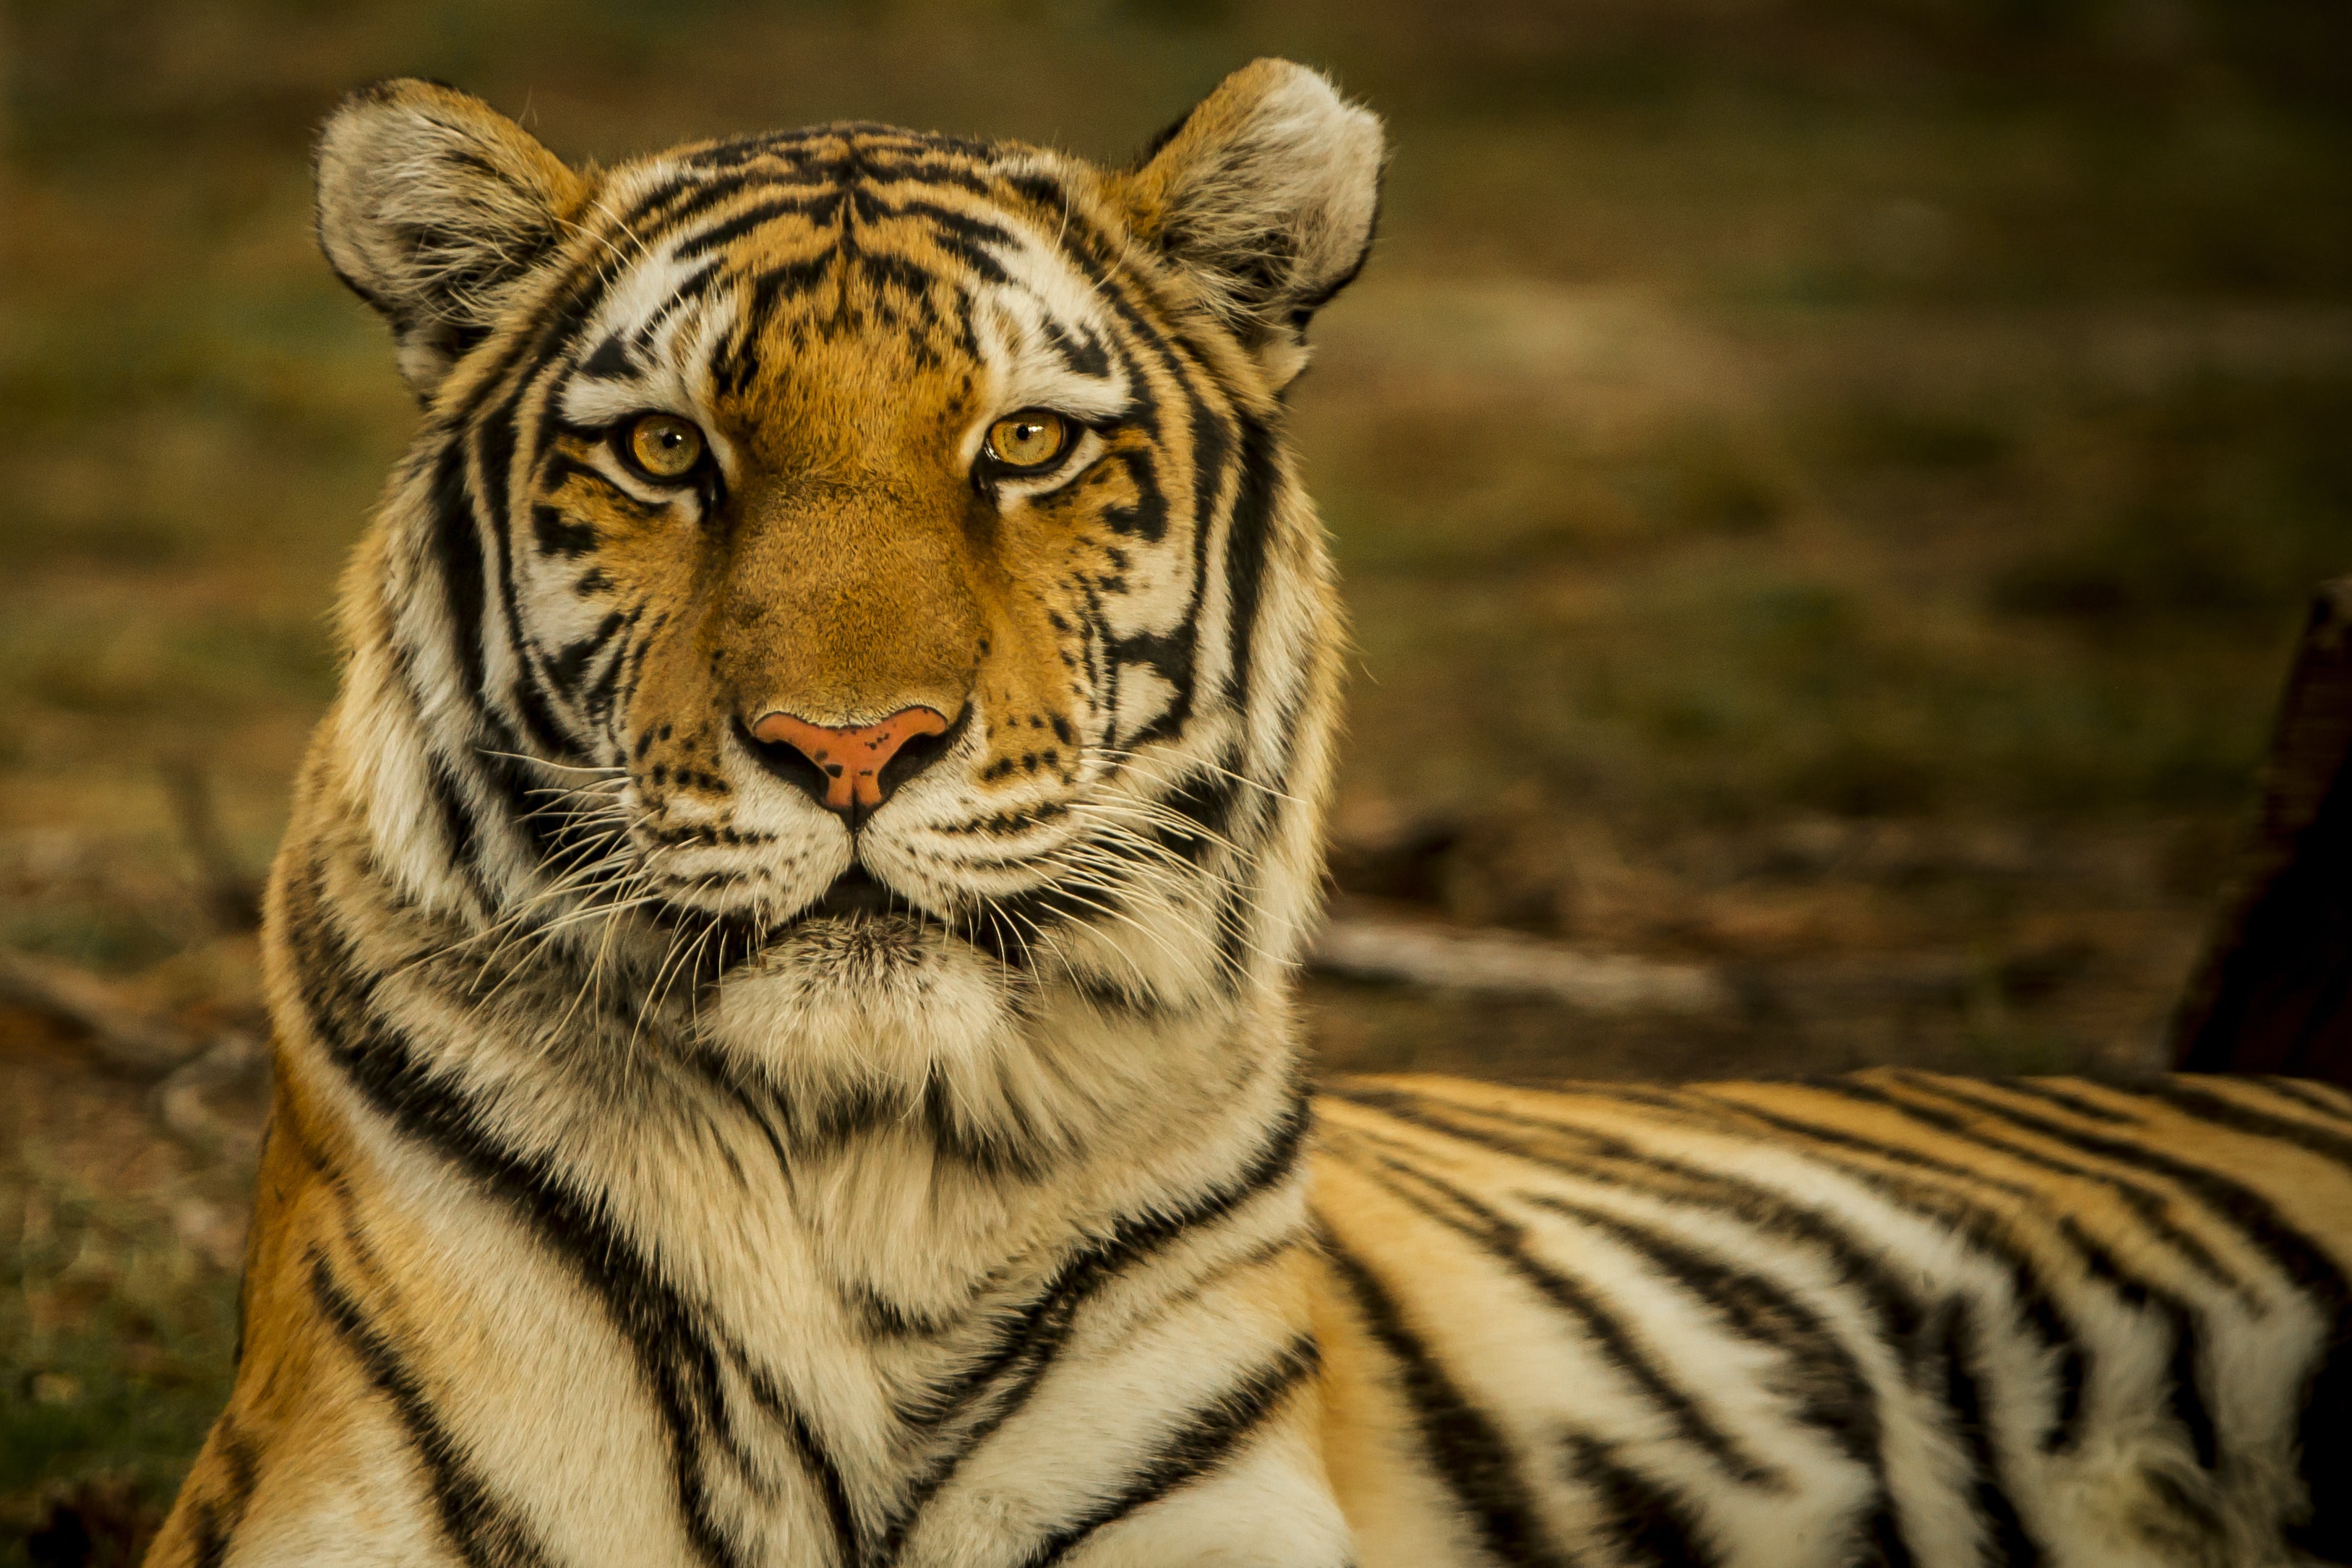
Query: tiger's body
(1892,1318)
(780,974)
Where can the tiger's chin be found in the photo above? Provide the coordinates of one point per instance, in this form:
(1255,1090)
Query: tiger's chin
(884,1001)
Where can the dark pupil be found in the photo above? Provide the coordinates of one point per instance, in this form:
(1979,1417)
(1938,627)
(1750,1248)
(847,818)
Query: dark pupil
(670,440)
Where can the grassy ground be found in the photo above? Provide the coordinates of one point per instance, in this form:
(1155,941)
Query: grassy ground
(1825,489)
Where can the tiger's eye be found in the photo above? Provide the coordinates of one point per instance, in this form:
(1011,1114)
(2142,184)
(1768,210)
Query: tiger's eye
(1030,439)
(665,446)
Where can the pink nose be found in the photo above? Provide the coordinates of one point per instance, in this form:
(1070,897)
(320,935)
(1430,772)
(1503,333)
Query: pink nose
(851,757)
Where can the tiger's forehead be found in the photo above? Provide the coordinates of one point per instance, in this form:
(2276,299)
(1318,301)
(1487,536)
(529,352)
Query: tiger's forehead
(848,261)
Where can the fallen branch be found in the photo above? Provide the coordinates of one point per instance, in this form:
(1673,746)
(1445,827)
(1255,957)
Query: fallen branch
(185,1067)
(1498,963)
(123,1040)
(232,1058)
(231,897)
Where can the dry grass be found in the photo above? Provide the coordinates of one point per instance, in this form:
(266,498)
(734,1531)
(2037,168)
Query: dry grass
(1825,489)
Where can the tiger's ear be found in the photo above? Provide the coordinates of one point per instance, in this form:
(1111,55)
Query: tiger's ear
(1266,193)
(432,205)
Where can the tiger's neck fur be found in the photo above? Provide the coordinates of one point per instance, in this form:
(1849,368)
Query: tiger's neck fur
(920,1176)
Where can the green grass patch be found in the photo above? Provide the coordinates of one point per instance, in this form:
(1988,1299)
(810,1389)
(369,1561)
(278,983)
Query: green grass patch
(114,1346)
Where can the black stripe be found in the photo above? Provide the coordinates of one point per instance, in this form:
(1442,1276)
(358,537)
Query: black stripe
(213,1520)
(818,207)
(210,1536)
(1203,1442)
(1757,1207)
(2185,1394)
(244,1465)
(598,703)
(1249,529)
(1206,796)
(1504,1241)
(1898,1312)
(457,551)
(2186,1398)
(2065,1099)
(540,357)
(481,1528)
(2185,1096)
(608,362)
(592,276)
(2008,1542)
(817,1123)
(688,291)
(677,1350)
(1828,1388)
(971,255)
(663,210)
(1144,520)
(807,1444)
(1765,1208)
(1641,1521)
(2323,1098)
(2185,1391)
(887,269)
(1006,1378)
(1081,353)
(1468,1451)
(558,534)
(459,827)
(1172,655)
(568,663)
(558,469)
(2240,1204)
(631,666)
(2323,1433)
(963,225)
(495,442)
(1958,1206)
(2148,1205)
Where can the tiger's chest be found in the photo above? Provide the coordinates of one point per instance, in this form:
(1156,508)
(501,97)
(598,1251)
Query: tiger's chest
(669,1345)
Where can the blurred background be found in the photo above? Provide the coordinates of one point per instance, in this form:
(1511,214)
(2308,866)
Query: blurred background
(1827,490)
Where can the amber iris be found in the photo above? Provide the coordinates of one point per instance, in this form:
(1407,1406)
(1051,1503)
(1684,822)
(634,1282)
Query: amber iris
(1028,440)
(665,446)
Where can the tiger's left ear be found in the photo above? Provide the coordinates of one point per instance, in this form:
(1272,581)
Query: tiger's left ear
(1265,194)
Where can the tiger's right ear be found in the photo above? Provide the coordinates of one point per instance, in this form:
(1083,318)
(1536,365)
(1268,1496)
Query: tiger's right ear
(432,205)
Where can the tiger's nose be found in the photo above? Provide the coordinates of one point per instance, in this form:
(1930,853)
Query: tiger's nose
(857,766)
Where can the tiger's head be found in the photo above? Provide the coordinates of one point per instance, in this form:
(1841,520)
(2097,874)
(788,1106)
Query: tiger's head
(866,562)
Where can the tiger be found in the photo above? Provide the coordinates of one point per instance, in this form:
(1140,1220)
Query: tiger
(782,977)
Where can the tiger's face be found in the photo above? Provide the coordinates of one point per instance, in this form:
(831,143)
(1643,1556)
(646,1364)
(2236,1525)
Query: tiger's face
(878,547)
(859,539)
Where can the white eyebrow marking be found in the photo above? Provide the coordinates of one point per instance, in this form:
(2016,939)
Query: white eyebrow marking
(664,340)
(1039,335)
